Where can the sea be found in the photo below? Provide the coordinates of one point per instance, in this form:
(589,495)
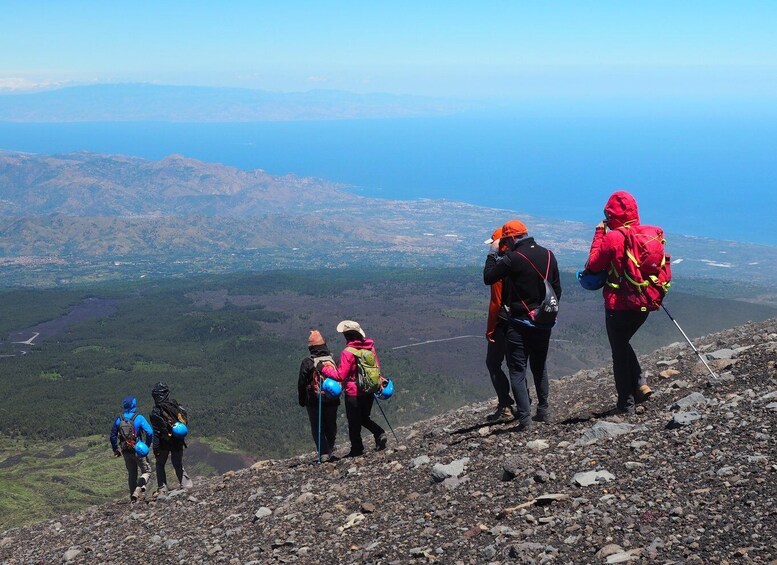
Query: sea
(699,176)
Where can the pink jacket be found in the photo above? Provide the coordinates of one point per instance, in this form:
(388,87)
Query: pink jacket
(347,370)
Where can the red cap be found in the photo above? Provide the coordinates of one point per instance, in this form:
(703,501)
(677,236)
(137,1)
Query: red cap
(514,228)
(494,236)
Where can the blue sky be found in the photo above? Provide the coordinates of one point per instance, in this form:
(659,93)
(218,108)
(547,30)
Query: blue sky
(481,49)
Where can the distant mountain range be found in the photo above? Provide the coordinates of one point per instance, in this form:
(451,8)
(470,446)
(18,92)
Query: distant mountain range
(149,102)
(84,216)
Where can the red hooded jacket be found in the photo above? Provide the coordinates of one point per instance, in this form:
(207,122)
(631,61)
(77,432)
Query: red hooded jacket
(608,248)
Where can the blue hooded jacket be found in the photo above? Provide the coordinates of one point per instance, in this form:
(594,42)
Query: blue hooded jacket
(130,405)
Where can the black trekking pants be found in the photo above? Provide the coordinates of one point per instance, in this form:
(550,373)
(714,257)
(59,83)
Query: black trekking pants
(328,426)
(527,347)
(495,356)
(621,327)
(357,410)
(176,457)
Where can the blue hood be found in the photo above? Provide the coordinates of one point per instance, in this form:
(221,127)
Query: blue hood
(130,404)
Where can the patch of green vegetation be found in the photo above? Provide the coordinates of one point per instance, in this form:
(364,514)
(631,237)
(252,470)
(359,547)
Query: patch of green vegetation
(40,479)
(220,363)
(151,367)
(220,444)
(50,375)
(24,308)
(463,314)
(89,349)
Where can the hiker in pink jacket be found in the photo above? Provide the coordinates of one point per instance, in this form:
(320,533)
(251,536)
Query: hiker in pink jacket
(358,404)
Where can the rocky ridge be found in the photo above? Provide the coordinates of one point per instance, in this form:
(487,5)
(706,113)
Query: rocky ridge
(691,478)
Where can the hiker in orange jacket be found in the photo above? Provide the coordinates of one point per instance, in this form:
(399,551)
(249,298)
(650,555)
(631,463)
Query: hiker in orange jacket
(496,327)
(623,316)
(527,338)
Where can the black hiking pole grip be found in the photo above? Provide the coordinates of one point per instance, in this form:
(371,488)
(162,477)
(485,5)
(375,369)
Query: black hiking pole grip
(696,351)
(387,420)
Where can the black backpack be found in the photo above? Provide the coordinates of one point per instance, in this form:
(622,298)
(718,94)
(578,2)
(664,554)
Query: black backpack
(127,436)
(544,315)
(171,413)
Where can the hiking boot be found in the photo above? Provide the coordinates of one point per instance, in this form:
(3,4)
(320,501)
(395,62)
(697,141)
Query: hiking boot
(544,418)
(160,491)
(380,442)
(353,453)
(524,427)
(501,414)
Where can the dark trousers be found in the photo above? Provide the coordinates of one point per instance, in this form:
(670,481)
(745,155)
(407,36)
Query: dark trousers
(176,457)
(621,327)
(495,356)
(328,425)
(133,462)
(357,410)
(528,346)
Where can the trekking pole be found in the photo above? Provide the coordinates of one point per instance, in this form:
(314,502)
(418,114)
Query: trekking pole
(318,443)
(387,420)
(696,351)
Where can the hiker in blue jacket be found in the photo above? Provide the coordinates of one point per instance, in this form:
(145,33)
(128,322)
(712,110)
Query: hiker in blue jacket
(125,434)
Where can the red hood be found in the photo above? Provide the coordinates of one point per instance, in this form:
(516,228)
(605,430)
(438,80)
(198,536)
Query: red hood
(621,209)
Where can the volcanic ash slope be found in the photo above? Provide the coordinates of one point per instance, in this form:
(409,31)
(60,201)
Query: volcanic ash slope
(690,478)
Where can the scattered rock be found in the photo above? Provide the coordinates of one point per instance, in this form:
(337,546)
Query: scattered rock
(682,419)
(722,354)
(608,550)
(589,478)
(693,399)
(512,466)
(263,512)
(368,507)
(604,429)
(71,554)
(418,461)
(668,373)
(455,468)
(352,520)
(625,556)
(537,445)
(547,499)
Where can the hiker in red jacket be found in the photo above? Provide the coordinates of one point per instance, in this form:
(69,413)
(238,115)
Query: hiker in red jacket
(358,404)
(496,328)
(623,316)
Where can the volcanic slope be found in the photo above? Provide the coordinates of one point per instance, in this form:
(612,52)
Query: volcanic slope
(690,478)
